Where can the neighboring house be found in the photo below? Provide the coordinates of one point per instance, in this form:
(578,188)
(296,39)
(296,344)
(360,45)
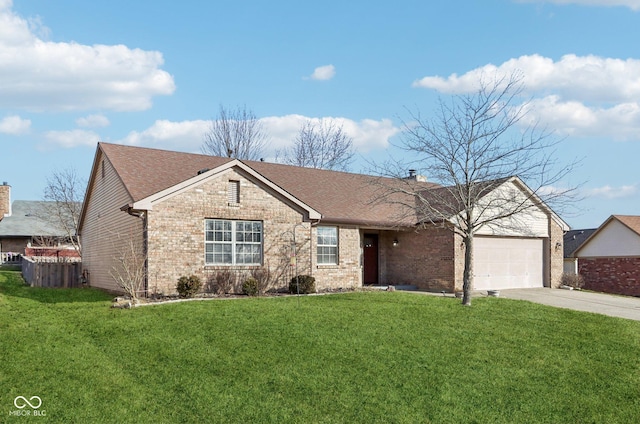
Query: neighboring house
(206,215)
(24,230)
(609,260)
(573,239)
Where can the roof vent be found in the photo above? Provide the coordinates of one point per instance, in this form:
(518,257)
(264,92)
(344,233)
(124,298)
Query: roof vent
(203,170)
(412,173)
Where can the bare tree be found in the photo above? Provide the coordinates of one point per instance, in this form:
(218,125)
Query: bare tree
(322,145)
(64,192)
(473,145)
(128,269)
(235,133)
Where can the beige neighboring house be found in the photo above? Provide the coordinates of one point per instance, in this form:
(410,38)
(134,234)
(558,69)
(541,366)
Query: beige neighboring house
(609,259)
(206,215)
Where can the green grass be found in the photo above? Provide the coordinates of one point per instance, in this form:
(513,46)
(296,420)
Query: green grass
(360,357)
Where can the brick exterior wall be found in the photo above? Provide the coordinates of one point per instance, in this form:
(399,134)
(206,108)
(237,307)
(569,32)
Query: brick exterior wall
(347,274)
(423,258)
(54,252)
(611,275)
(556,254)
(5,200)
(176,234)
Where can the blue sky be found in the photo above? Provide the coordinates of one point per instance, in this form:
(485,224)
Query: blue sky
(152,73)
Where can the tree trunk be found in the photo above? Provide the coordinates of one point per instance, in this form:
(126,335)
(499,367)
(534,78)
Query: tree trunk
(467,277)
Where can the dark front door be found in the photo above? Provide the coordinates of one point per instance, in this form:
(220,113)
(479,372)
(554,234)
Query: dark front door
(370,259)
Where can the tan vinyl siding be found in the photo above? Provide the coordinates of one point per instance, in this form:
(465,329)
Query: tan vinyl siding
(105,226)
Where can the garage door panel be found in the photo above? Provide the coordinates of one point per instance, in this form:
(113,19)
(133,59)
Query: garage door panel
(503,262)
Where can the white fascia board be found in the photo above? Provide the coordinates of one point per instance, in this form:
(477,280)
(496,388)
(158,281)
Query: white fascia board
(148,202)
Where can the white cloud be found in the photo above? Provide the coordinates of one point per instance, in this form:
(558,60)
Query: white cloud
(188,135)
(367,134)
(183,136)
(577,95)
(93,121)
(631,4)
(584,78)
(609,192)
(323,73)
(15,125)
(620,122)
(39,75)
(69,139)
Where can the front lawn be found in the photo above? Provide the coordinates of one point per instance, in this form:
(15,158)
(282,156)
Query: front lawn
(344,358)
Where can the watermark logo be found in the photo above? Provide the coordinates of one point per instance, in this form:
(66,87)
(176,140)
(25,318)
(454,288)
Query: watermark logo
(34,402)
(21,402)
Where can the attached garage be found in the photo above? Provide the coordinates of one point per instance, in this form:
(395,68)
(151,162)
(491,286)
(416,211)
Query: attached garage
(508,262)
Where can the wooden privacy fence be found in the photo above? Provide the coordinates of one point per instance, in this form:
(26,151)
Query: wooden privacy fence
(52,274)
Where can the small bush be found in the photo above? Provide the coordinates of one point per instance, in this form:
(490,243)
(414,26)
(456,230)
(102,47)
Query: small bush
(188,286)
(222,282)
(263,276)
(307,284)
(572,280)
(250,287)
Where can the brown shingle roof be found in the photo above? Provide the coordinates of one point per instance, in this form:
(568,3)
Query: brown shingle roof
(631,221)
(340,197)
(146,171)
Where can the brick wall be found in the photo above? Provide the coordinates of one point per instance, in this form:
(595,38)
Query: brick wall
(177,237)
(556,254)
(347,274)
(611,275)
(424,258)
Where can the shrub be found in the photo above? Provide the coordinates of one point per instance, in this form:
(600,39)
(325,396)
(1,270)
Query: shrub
(572,280)
(250,287)
(263,276)
(222,282)
(307,284)
(188,286)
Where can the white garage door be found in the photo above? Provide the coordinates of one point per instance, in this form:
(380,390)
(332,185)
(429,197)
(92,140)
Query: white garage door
(503,263)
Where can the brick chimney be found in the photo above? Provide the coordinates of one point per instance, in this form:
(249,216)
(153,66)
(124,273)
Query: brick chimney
(5,200)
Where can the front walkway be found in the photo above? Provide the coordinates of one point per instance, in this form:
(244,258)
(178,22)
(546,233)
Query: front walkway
(600,303)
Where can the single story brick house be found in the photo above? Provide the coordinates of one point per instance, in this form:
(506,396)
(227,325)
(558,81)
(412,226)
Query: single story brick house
(203,215)
(609,260)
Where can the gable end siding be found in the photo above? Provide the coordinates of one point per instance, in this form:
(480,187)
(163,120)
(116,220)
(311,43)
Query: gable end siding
(106,227)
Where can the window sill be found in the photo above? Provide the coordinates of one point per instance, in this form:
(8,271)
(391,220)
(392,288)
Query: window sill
(327,266)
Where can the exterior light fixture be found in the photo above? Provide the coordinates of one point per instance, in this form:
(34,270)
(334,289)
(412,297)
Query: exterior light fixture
(395,242)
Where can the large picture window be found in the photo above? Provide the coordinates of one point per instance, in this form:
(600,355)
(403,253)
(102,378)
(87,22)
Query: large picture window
(233,242)
(327,245)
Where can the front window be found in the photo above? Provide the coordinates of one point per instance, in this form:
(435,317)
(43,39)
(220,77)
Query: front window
(233,242)
(327,245)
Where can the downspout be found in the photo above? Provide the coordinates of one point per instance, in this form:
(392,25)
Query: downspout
(145,243)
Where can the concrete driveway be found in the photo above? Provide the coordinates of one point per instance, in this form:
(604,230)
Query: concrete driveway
(599,303)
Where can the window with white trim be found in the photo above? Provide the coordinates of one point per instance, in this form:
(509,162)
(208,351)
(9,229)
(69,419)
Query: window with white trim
(327,245)
(230,242)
